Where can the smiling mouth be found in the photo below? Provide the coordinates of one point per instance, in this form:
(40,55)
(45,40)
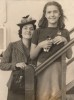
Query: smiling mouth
(52,18)
(28,34)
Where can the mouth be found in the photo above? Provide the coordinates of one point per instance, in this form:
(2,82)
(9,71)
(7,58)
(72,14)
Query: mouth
(52,18)
(28,33)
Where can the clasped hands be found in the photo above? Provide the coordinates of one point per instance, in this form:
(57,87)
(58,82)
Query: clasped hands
(46,44)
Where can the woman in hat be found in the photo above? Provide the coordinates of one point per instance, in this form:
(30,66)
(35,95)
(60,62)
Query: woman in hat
(16,56)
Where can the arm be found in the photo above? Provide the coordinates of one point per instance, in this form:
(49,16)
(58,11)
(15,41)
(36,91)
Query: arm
(34,45)
(35,49)
(69,53)
(37,46)
(57,40)
(6,63)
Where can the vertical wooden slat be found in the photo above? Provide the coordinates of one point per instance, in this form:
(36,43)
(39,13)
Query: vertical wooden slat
(63,77)
(29,83)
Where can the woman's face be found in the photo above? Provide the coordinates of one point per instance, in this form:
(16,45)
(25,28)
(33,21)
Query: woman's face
(52,14)
(27,31)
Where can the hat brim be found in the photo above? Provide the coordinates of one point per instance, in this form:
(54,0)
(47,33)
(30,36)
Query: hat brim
(30,22)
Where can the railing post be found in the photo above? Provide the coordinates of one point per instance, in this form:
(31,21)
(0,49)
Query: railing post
(29,83)
(63,77)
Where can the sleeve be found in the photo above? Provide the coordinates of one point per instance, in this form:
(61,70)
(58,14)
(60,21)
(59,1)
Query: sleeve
(35,37)
(67,35)
(6,61)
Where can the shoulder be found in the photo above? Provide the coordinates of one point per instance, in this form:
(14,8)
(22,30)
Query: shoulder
(65,31)
(36,33)
(15,43)
(66,34)
(38,30)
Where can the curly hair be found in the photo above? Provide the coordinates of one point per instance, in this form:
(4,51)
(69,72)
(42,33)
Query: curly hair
(43,21)
(20,30)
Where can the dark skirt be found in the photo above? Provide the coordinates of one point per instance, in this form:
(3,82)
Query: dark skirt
(15,96)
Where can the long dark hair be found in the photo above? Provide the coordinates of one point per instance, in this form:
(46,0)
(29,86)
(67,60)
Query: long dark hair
(43,21)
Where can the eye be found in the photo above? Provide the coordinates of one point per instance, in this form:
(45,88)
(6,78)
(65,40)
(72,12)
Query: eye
(49,12)
(31,29)
(25,27)
(56,11)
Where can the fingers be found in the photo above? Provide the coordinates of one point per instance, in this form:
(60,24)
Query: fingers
(45,43)
(57,40)
(21,65)
(49,43)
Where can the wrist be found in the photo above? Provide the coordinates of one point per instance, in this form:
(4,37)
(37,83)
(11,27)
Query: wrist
(65,41)
(39,46)
(16,68)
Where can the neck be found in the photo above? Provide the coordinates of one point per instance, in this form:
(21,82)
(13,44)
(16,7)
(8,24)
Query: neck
(26,42)
(52,25)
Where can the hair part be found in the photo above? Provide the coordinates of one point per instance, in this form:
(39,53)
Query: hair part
(20,30)
(43,21)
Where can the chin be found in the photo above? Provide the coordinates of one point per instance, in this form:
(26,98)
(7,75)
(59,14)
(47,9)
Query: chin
(28,38)
(53,21)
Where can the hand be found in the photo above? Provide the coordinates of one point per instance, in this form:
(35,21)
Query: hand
(45,44)
(21,65)
(59,39)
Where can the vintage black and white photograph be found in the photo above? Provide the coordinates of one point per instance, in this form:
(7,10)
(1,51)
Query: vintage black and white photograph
(36,50)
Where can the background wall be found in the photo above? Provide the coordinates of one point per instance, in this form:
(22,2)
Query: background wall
(11,14)
(16,9)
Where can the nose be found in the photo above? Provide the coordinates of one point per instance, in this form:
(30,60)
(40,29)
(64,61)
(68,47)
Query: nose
(52,13)
(28,30)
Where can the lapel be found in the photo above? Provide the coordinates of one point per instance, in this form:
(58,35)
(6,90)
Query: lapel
(19,45)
